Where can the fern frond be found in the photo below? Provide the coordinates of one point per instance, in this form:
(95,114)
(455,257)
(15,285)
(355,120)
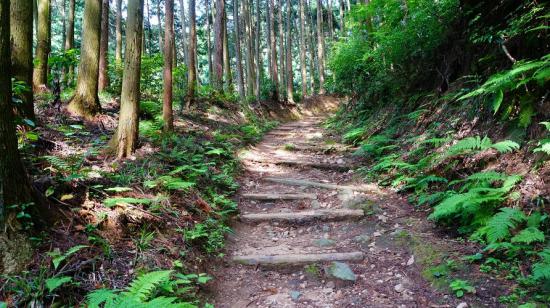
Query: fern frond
(506,146)
(498,227)
(98,297)
(143,286)
(528,236)
(451,205)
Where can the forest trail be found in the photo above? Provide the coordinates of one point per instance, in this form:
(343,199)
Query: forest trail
(311,235)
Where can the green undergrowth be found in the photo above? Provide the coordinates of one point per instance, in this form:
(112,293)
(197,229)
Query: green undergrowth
(178,188)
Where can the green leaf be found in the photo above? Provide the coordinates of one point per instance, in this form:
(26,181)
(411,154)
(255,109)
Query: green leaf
(497,100)
(528,236)
(215,152)
(111,202)
(57,258)
(118,189)
(3,305)
(56,282)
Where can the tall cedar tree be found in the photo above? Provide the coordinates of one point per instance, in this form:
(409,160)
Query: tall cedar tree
(118,31)
(248,36)
(303,48)
(43,45)
(218,46)
(238,53)
(69,39)
(103,82)
(167,113)
(21,53)
(184,41)
(320,47)
(15,188)
(258,37)
(282,53)
(273,55)
(126,137)
(85,102)
(289,75)
(226,59)
(192,76)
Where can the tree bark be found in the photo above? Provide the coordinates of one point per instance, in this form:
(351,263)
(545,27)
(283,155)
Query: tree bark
(21,52)
(69,40)
(330,21)
(248,49)
(218,46)
(281,46)
(303,48)
(184,41)
(167,113)
(15,189)
(273,56)
(259,66)
(118,30)
(103,82)
(192,76)
(311,48)
(209,17)
(226,58)
(43,46)
(159,20)
(126,137)
(320,47)
(238,54)
(342,22)
(289,73)
(85,102)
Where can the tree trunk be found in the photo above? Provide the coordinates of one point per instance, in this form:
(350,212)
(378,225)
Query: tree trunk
(218,46)
(259,66)
(149,39)
(118,48)
(238,54)
(159,20)
(226,58)
(69,40)
(85,102)
(103,82)
(43,45)
(249,50)
(126,137)
(281,46)
(192,76)
(273,56)
(289,74)
(342,22)
(184,41)
(320,47)
(167,113)
(209,18)
(303,47)
(330,21)
(311,48)
(15,249)
(21,52)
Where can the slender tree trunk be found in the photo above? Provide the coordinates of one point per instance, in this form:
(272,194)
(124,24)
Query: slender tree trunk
(15,189)
(249,50)
(311,48)
(320,47)
(273,57)
(69,40)
(85,102)
(167,113)
(118,30)
(43,42)
(159,20)
(103,82)
(349,4)
(149,39)
(281,46)
(330,21)
(64,20)
(226,58)
(21,53)
(192,76)
(218,46)
(268,39)
(238,54)
(209,17)
(184,41)
(289,73)
(303,48)
(126,137)
(342,22)
(259,66)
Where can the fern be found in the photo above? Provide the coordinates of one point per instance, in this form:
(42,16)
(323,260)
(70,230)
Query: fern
(541,269)
(474,144)
(57,163)
(528,236)
(498,227)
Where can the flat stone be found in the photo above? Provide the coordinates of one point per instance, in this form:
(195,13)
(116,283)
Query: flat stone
(341,271)
(324,242)
(399,288)
(295,295)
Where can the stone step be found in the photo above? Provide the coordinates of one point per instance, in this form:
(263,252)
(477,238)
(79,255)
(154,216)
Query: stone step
(299,182)
(275,196)
(303,216)
(305,164)
(298,258)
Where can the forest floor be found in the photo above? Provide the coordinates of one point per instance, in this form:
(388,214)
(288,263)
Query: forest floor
(381,252)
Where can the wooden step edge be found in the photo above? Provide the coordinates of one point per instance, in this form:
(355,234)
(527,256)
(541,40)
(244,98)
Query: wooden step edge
(298,258)
(302,216)
(275,196)
(299,182)
(303,164)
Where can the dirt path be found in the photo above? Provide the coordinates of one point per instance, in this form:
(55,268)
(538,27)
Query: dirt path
(310,235)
